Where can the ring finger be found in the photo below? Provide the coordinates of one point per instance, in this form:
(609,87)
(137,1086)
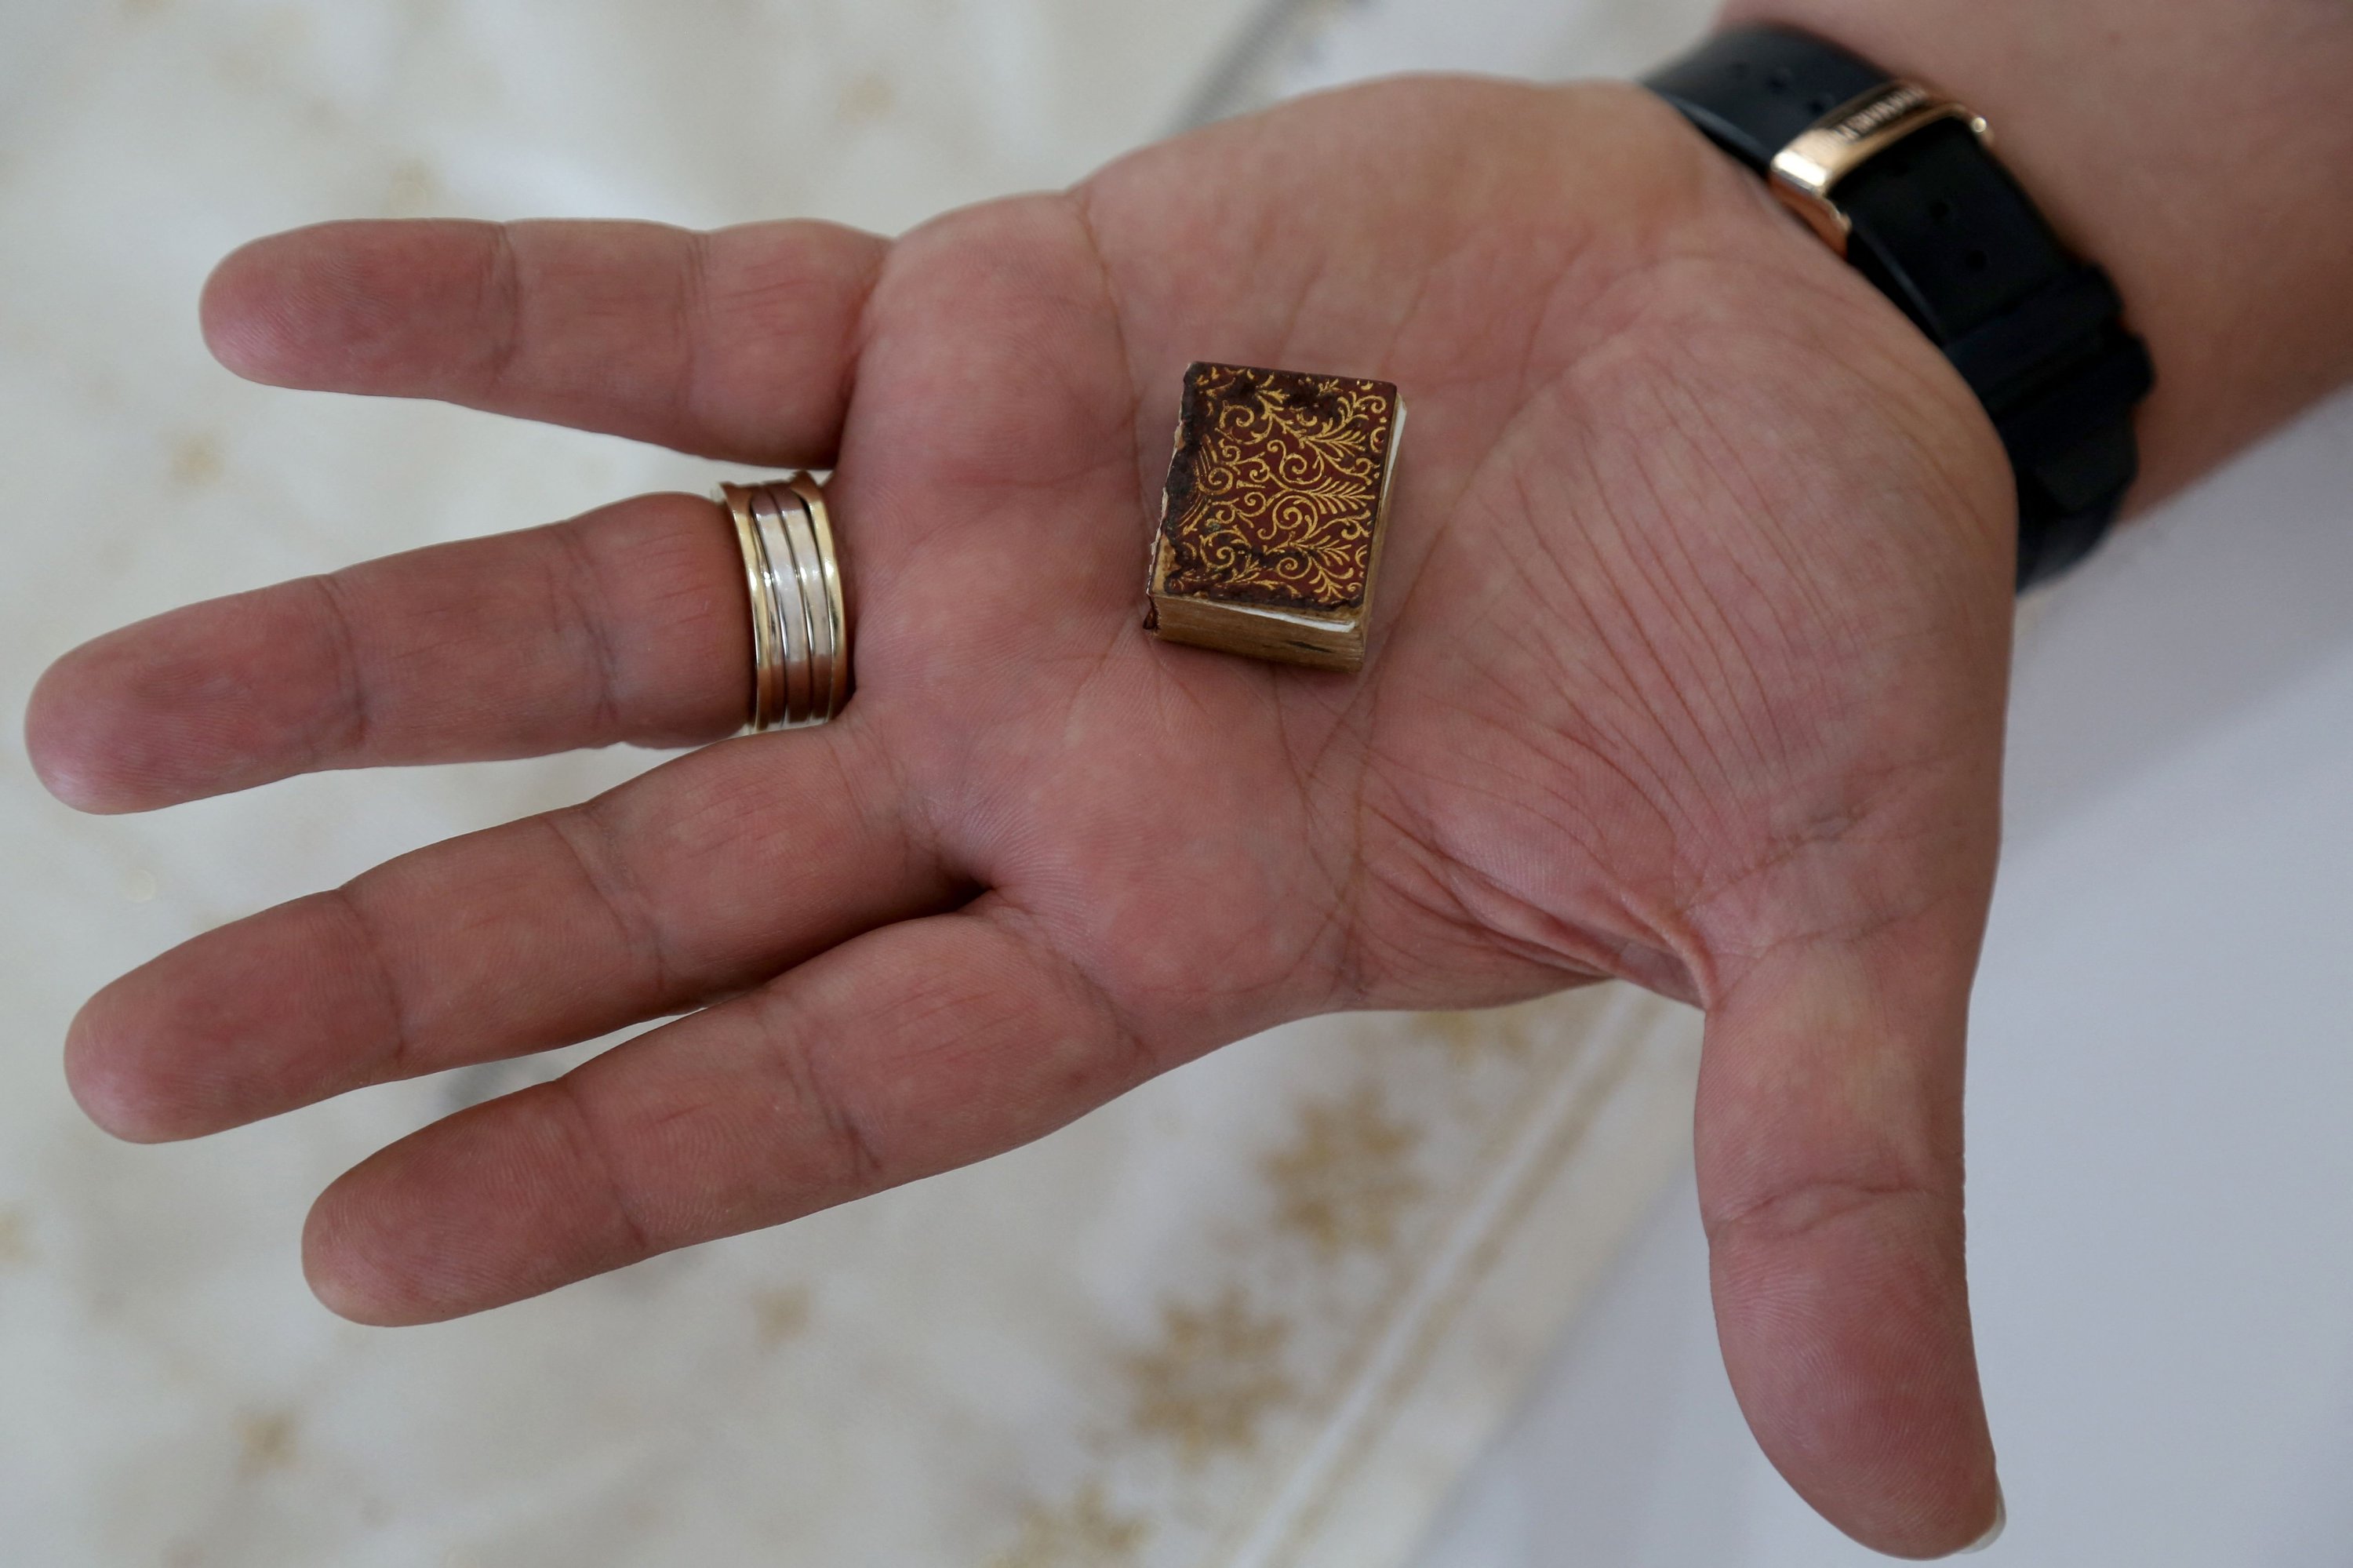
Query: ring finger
(627,624)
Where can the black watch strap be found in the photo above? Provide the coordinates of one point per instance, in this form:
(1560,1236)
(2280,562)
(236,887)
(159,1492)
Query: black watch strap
(1941,228)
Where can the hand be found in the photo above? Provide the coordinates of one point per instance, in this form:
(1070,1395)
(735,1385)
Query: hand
(1688,667)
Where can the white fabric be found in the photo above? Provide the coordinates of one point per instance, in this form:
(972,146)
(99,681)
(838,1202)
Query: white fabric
(984,1370)
(1260,1313)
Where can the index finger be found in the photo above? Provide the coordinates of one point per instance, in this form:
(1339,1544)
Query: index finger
(736,343)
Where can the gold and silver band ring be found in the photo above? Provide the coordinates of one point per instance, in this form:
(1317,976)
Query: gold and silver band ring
(800,623)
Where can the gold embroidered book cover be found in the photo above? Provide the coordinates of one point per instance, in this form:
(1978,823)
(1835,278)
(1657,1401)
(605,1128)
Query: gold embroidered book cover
(1269,536)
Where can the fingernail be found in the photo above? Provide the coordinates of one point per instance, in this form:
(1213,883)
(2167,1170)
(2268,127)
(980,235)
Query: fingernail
(2000,1522)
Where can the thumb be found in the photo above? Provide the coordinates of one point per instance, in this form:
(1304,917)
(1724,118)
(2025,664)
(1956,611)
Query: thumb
(1829,1139)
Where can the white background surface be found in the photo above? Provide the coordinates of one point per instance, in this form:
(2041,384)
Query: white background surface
(2162,1108)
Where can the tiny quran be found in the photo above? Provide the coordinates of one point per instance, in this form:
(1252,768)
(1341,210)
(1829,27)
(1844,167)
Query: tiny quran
(1271,530)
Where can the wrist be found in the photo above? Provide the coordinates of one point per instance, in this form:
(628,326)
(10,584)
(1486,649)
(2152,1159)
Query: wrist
(1773,276)
(2217,213)
(1896,179)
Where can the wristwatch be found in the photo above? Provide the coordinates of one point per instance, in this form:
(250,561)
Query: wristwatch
(1903,182)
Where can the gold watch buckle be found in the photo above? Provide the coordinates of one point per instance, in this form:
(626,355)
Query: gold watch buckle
(1808,169)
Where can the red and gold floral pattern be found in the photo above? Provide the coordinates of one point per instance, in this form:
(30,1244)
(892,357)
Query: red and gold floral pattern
(1276,487)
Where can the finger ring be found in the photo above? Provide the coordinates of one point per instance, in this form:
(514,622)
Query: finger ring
(800,623)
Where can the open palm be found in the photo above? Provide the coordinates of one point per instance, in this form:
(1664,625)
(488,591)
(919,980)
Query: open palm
(1688,668)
